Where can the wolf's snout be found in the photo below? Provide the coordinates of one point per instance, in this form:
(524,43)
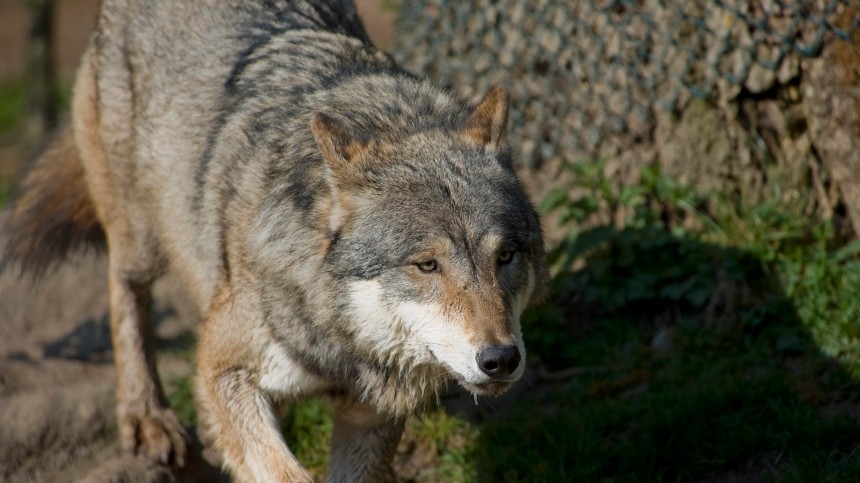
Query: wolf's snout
(499,361)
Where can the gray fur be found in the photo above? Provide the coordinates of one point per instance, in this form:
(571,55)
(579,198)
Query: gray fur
(287,170)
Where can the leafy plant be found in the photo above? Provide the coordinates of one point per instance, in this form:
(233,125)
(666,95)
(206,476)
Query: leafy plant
(644,252)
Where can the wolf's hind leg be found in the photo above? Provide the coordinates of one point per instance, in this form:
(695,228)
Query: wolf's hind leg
(363,444)
(146,423)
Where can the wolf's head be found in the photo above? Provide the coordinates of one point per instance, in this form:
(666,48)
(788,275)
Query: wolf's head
(436,241)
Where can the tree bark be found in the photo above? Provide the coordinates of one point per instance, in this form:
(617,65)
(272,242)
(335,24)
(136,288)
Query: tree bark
(832,100)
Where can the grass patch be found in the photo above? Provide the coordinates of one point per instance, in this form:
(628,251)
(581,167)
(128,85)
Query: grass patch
(6,189)
(13,97)
(13,102)
(307,428)
(13,108)
(180,395)
(449,439)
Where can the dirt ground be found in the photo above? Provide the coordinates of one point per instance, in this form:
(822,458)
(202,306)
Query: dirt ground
(56,375)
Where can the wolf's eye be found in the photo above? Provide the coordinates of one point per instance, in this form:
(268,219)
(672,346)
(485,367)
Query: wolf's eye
(428,266)
(506,257)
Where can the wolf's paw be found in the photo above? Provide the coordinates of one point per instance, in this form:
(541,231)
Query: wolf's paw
(155,434)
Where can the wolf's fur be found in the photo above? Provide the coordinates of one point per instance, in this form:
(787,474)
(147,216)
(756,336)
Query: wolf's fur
(348,229)
(52,211)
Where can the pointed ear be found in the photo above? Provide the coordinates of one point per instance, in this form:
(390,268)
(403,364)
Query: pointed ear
(487,123)
(343,154)
(335,141)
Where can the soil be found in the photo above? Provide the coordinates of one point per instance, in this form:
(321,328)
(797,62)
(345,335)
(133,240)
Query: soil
(56,376)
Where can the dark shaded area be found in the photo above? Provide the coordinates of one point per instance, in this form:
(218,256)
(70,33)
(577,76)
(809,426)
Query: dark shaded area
(90,340)
(667,358)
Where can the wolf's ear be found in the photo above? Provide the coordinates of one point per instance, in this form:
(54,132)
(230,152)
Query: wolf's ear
(342,152)
(487,123)
(335,141)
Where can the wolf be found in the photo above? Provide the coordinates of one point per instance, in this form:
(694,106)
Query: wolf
(346,228)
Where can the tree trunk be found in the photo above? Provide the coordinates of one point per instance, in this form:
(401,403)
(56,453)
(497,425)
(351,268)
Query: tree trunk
(833,105)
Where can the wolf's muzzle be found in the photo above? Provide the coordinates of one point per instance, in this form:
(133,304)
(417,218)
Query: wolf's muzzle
(499,361)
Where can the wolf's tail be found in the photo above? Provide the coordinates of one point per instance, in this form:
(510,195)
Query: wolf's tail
(52,214)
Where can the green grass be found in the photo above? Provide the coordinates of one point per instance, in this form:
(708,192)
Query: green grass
(450,439)
(180,394)
(12,103)
(6,187)
(12,99)
(307,428)
(306,425)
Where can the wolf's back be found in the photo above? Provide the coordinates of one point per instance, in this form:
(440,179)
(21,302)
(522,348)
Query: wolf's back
(194,78)
(52,214)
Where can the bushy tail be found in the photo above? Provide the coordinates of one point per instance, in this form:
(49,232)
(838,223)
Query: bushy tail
(52,214)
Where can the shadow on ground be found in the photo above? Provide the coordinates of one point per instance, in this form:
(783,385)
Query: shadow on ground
(670,359)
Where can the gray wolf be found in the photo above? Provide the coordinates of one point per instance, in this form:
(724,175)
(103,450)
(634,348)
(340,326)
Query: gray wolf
(346,228)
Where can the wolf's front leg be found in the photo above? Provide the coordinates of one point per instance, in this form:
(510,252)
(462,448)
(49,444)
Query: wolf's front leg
(362,445)
(247,433)
(234,408)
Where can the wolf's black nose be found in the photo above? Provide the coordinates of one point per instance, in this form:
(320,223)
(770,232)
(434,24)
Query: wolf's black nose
(499,361)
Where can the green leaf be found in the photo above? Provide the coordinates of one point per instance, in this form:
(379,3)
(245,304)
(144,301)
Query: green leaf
(553,200)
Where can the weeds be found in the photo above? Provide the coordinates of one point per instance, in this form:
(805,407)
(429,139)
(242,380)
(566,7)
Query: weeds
(307,428)
(449,438)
